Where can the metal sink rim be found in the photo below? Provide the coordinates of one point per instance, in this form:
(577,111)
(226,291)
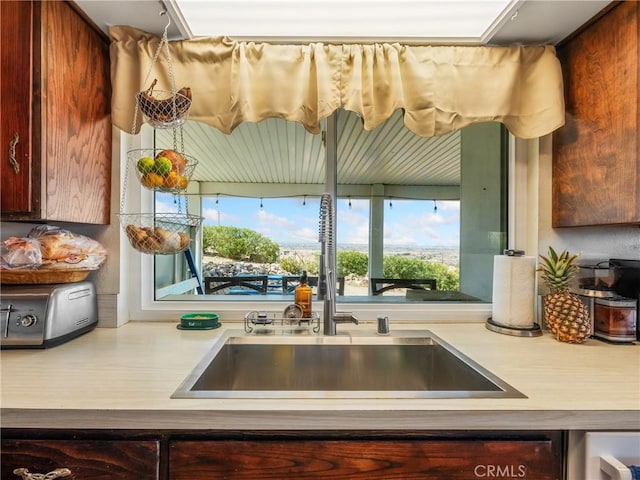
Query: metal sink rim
(400,337)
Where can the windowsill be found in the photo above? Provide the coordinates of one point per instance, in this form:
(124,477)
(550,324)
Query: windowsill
(422,298)
(234,307)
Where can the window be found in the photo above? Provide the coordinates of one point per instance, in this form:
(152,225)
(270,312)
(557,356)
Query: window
(438,200)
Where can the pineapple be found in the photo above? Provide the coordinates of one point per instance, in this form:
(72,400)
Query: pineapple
(565,315)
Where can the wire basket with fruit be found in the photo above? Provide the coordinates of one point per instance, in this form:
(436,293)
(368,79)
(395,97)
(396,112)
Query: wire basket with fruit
(165,170)
(164,109)
(160,233)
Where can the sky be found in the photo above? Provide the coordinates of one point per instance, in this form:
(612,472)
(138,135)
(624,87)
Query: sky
(296,220)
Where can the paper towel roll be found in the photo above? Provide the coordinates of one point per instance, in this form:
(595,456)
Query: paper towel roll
(514,291)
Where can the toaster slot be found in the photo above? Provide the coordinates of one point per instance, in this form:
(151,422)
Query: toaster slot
(5,311)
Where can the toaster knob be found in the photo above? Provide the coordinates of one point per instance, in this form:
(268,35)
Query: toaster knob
(28,320)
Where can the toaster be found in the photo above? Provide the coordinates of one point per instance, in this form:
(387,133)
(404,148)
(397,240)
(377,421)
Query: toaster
(42,316)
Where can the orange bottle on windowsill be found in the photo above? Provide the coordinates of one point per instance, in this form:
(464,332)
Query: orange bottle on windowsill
(303,294)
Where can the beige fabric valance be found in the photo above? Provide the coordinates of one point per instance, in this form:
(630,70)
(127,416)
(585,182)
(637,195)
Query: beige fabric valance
(440,88)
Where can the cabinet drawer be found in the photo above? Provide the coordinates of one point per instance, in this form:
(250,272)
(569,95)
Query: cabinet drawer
(87,459)
(374,459)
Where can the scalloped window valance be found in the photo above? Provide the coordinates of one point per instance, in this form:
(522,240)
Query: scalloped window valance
(439,88)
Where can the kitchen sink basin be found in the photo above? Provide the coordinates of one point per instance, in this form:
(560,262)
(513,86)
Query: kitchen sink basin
(409,364)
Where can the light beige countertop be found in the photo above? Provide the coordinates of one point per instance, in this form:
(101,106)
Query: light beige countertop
(123,378)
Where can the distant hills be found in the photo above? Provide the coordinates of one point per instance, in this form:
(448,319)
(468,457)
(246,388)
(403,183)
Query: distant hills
(447,255)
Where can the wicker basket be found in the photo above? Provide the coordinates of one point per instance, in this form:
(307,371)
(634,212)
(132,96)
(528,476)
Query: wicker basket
(42,276)
(160,233)
(164,109)
(159,175)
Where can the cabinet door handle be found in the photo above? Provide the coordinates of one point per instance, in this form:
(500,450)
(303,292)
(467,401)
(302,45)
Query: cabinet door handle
(26,475)
(12,152)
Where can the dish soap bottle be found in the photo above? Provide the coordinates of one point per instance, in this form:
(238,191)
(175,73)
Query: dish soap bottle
(303,295)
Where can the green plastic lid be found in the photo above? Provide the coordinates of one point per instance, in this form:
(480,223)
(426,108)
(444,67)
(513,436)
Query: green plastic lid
(199,321)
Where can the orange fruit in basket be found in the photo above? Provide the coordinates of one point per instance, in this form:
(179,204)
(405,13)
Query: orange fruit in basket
(172,180)
(178,161)
(182,182)
(152,180)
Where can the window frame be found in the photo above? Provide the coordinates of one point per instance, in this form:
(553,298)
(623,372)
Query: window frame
(137,269)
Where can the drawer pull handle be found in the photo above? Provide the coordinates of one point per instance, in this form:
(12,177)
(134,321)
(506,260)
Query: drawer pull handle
(57,473)
(614,468)
(12,152)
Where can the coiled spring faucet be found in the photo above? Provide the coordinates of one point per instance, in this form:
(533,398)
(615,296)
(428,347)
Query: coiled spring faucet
(326,274)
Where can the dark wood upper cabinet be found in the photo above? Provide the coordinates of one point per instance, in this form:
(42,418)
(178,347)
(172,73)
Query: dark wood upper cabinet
(596,155)
(55,105)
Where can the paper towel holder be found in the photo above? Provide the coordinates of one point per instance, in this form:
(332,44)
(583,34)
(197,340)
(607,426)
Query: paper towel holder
(533,331)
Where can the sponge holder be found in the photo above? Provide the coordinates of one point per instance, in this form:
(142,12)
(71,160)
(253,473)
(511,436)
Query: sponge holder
(271,323)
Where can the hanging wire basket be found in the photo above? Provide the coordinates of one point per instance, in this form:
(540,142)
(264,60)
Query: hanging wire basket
(165,170)
(160,233)
(162,108)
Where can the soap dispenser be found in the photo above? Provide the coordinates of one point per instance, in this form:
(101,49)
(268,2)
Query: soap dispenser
(303,294)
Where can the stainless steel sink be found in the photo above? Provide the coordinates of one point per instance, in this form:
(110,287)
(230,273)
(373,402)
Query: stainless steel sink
(409,364)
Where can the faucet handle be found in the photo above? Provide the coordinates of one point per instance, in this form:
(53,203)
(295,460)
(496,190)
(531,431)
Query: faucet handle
(344,317)
(383,325)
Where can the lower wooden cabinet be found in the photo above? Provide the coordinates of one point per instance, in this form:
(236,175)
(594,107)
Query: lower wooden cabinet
(370,460)
(85,459)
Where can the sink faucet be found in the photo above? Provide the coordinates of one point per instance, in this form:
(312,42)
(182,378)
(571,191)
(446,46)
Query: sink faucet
(326,273)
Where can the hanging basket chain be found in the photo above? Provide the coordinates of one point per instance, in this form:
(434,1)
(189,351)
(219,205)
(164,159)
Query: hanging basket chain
(165,108)
(164,42)
(178,200)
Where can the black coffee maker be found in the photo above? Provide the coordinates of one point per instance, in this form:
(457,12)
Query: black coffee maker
(616,318)
(626,277)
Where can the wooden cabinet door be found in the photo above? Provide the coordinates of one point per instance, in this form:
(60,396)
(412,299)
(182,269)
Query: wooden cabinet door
(56,95)
(16,84)
(75,118)
(366,460)
(596,154)
(86,459)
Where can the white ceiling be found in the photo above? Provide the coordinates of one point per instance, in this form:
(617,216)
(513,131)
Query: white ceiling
(340,20)
(411,21)
(281,153)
